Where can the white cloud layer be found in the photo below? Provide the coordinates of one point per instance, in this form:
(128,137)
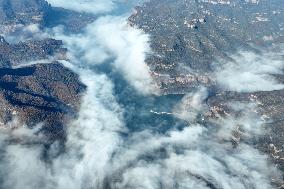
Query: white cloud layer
(88,6)
(98,156)
(251,72)
(111,40)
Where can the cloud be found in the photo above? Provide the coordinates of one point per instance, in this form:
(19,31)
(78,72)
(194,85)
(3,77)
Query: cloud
(196,156)
(110,40)
(191,105)
(97,155)
(25,33)
(251,72)
(88,6)
(100,151)
(97,6)
(92,138)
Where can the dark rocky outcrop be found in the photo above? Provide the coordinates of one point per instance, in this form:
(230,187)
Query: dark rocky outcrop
(23,11)
(188,36)
(32,92)
(41,93)
(16,14)
(28,51)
